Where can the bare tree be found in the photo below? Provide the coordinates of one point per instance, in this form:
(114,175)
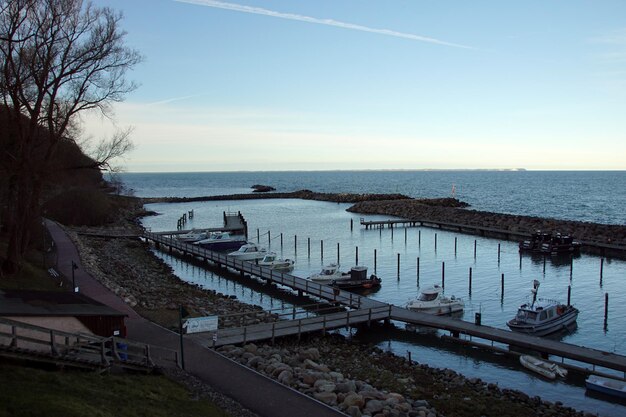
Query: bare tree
(59,58)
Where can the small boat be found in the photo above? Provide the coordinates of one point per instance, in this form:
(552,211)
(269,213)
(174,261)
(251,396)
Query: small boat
(356,279)
(249,252)
(271,261)
(193,235)
(328,274)
(543,367)
(222,241)
(610,386)
(431,300)
(533,244)
(560,244)
(542,316)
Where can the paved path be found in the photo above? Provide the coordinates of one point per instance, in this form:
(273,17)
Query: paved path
(252,390)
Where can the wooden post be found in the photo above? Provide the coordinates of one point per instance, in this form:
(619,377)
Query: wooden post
(405,235)
(470,280)
(273,331)
(498,252)
(435,242)
(322,250)
(571,267)
(398,267)
(443,274)
(258,236)
(474,248)
(374,260)
(293,314)
(569,295)
(357,255)
(601,268)
(606,309)
(419,238)
(544,264)
(281,240)
(455,238)
(351,225)
(269,238)
(502,284)
(295,244)
(520,261)
(308,246)
(418,270)
(338,263)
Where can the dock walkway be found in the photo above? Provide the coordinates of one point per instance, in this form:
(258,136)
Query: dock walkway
(362,309)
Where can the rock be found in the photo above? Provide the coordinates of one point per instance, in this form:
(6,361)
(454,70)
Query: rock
(354,399)
(346,386)
(353,411)
(251,347)
(374,406)
(314,365)
(311,353)
(326,397)
(322,385)
(285,377)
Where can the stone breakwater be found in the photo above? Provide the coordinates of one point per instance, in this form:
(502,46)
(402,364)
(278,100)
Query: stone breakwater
(418,210)
(302,194)
(362,380)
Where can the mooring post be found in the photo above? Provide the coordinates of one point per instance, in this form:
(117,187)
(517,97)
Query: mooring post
(443,274)
(398,267)
(606,309)
(601,267)
(571,267)
(470,280)
(281,240)
(418,270)
(308,246)
(405,234)
(351,225)
(295,244)
(498,252)
(269,238)
(455,238)
(419,238)
(374,260)
(474,248)
(338,263)
(435,242)
(569,295)
(322,250)
(357,255)
(520,261)
(409,352)
(502,284)
(544,264)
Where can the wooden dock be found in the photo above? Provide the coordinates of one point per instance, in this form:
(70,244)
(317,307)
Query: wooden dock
(362,310)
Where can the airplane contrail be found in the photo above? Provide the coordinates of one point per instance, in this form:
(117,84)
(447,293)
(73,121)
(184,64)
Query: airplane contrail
(327,22)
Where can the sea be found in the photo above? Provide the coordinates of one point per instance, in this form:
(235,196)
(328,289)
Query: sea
(317,233)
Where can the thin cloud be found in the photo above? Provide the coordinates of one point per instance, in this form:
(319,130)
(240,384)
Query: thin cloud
(170,100)
(328,22)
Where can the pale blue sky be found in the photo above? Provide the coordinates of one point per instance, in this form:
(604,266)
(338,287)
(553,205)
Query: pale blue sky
(284,85)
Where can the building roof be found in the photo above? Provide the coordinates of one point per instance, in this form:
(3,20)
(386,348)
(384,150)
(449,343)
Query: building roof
(51,304)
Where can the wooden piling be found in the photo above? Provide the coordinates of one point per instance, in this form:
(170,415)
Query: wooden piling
(569,295)
(375,260)
(405,235)
(269,238)
(281,240)
(398,267)
(308,246)
(435,242)
(258,236)
(455,238)
(606,309)
(295,244)
(351,225)
(470,280)
(601,267)
(443,274)
(419,238)
(418,270)
(357,255)
(498,252)
(474,248)
(321,249)
(502,284)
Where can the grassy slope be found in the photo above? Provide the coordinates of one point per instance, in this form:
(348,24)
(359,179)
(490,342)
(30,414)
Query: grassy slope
(37,392)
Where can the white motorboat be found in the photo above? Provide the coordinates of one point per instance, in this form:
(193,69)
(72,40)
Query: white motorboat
(431,300)
(272,261)
(249,252)
(221,241)
(543,367)
(328,274)
(605,385)
(193,235)
(542,316)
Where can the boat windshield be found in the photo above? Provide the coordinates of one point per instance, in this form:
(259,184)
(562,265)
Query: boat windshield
(427,296)
(327,271)
(526,315)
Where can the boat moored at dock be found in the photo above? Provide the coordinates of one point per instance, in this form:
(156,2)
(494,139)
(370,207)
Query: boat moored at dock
(249,252)
(542,316)
(222,241)
(543,367)
(432,301)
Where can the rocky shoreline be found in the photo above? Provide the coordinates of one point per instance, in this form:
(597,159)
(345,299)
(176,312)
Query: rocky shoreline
(360,380)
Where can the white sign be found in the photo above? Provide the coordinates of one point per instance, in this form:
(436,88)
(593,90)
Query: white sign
(201,324)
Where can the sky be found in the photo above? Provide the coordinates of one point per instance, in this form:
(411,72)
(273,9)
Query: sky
(275,85)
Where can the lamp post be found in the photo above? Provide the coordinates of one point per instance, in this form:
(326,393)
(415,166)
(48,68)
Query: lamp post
(74,267)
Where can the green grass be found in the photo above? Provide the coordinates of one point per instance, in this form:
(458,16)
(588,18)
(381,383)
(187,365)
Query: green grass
(38,392)
(32,276)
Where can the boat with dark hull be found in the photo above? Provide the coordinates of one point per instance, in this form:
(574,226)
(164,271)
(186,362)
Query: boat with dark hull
(357,279)
(543,316)
(533,244)
(560,244)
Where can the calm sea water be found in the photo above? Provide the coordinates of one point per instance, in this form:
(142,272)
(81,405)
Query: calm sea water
(313,222)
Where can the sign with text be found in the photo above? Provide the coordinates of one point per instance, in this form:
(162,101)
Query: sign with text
(201,324)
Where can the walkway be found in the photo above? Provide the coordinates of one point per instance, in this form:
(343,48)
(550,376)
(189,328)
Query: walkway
(252,390)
